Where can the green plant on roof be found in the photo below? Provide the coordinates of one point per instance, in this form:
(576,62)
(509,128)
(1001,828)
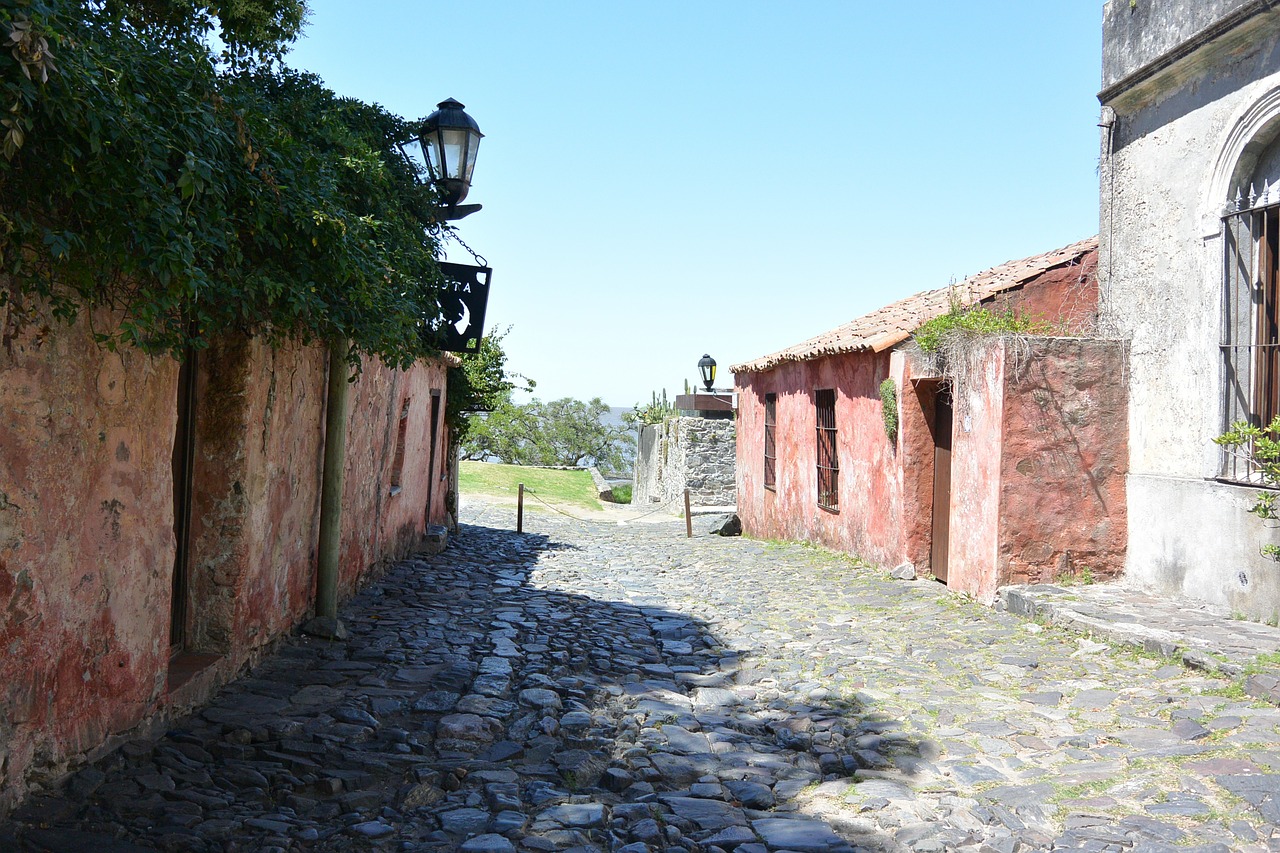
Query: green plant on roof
(961,320)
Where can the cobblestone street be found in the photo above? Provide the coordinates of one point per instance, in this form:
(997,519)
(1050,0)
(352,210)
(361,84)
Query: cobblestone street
(604,686)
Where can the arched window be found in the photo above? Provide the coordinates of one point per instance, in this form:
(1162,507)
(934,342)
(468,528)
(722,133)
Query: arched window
(1250,342)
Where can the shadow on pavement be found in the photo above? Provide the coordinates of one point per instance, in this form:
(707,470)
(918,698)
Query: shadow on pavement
(473,710)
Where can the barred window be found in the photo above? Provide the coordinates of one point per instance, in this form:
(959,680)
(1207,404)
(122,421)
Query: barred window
(828,460)
(1250,343)
(770,441)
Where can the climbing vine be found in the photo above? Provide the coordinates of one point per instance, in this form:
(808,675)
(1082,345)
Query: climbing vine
(889,408)
(196,194)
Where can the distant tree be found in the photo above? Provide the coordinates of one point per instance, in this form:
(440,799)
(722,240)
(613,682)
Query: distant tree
(481,383)
(562,432)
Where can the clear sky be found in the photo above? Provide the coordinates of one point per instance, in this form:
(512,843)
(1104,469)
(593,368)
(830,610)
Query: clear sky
(674,177)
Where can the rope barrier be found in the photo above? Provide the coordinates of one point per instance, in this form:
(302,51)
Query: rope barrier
(556,509)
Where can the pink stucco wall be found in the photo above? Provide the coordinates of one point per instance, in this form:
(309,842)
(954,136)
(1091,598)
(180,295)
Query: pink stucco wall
(1063,507)
(86,542)
(1038,460)
(978,432)
(870,486)
(1038,464)
(86,521)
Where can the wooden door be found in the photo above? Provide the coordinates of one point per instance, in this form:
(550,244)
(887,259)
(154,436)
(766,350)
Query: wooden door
(942,419)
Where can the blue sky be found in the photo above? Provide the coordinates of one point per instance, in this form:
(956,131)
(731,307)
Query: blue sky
(664,179)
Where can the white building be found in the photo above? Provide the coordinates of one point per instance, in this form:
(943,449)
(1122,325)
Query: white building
(1190,272)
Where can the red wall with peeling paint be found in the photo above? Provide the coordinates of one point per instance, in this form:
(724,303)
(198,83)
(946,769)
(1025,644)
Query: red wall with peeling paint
(1038,471)
(978,433)
(869,518)
(87,538)
(1039,450)
(1065,460)
(85,552)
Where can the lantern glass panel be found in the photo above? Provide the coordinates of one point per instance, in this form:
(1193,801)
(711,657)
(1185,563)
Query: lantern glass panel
(414,152)
(454,145)
(473,148)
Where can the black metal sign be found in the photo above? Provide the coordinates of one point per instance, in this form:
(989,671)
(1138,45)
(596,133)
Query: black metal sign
(462,304)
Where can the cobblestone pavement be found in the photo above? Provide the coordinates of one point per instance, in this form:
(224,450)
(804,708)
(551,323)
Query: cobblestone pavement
(618,687)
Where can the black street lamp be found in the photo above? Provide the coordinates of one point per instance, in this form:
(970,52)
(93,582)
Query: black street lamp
(707,367)
(448,141)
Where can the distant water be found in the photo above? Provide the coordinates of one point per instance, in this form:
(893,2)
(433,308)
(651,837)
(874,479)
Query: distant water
(614,417)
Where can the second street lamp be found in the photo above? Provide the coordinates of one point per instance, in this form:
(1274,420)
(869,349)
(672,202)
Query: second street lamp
(707,367)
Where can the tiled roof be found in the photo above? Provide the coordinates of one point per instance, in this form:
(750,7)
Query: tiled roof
(894,323)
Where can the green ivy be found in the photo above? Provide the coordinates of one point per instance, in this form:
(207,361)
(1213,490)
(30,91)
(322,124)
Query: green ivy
(889,408)
(197,196)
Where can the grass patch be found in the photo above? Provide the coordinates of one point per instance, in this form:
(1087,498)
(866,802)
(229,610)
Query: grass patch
(572,488)
(621,494)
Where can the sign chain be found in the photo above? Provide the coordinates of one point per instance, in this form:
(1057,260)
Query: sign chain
(479,259)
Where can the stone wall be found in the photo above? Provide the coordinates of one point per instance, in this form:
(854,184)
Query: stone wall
(697,453)
(87,533)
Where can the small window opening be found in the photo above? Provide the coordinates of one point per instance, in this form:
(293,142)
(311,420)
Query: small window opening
(828,458)
(397,464)
(770,441)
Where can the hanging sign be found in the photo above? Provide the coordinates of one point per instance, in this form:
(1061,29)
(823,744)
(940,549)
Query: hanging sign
(462,304)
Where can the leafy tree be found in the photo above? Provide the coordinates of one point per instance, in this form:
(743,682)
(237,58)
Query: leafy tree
(562,432)
(481,383)
(197,198)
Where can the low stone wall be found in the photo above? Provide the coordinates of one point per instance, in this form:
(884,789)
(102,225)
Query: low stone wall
(697,453)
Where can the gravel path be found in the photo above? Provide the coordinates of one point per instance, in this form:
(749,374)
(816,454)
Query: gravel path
(617,687)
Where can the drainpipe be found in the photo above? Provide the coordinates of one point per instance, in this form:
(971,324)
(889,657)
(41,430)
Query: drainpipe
(326,623)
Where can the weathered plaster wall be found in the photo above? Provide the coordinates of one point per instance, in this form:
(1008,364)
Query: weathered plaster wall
(1038,464)
(1172,161)
(915,451)
(869,521)
(1063,461)
(86,522)
(1138,33)
(697,453)
(976,460)
(260,453)
(1185,525)
(381,523)
(86,543)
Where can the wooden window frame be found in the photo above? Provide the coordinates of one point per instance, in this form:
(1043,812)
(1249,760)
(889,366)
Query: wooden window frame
(828,449)
(771,442)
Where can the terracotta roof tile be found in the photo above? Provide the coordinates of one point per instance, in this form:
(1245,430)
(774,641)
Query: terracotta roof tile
(892,324)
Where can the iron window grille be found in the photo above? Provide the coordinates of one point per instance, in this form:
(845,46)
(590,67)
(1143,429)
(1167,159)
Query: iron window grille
(770,441)
(1250,342)
(828,458)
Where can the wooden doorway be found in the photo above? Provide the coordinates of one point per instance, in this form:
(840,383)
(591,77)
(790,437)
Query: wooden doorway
(941,530)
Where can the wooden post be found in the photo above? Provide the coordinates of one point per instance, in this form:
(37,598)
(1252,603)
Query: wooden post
(688,517)
(520,511)
(335,449)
